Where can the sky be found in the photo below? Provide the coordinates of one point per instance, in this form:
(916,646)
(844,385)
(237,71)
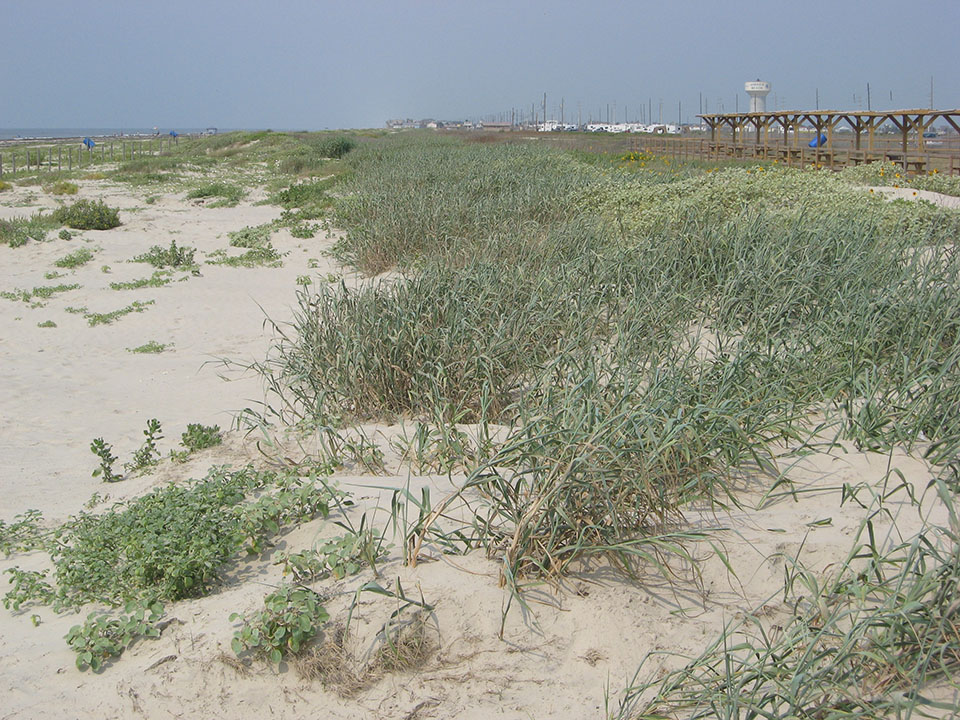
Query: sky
(301,64)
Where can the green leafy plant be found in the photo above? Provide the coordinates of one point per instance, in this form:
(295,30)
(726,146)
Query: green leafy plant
(160,278)
(23,534)
(44,292)
(200,437)
(147,455)
(87,215)
(104,451)
(65,235)
(46,324)
(74,259)
(29,587)
(150,348)
(292,616)
(262,256)
(94,319)
(340,557)
(173,257)
(303,231)
(4,186)
(103,636)
(174,541)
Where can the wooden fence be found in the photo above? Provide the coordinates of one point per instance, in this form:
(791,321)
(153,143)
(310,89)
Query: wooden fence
(57,156)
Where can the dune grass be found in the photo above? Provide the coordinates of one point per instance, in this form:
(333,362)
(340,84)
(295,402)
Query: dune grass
(645,342)
(863,642)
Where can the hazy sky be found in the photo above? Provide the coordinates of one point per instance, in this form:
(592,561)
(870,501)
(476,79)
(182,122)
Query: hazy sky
(297,64)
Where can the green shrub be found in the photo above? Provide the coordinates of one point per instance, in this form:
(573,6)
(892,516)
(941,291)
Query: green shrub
(174,256)
(87,215)
(290,619)
(200,437)
(4,186)
(103,637)
(335,147)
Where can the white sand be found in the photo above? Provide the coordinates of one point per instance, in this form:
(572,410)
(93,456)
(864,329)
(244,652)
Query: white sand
(906,193)
(64,386)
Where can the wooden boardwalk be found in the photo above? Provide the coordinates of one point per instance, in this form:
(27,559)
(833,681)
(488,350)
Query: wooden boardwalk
(903,137)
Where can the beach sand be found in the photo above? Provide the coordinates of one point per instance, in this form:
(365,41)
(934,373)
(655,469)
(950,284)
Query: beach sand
(579,643)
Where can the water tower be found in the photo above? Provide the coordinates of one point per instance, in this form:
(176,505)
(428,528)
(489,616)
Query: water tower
(758,91)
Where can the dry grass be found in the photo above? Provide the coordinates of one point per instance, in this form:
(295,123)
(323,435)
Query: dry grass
(401,648)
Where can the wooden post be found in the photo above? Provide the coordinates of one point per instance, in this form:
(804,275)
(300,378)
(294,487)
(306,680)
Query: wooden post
(1,165)
(59,158)
(69,158)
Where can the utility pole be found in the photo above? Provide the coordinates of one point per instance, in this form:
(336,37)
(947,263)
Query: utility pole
(818,98)
(679,113)
(579,120)
(931,92)
(561,111)
(544,111)
(868,98)
(650,110)
(661,111)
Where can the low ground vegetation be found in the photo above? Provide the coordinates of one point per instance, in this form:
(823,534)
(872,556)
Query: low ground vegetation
(88,215)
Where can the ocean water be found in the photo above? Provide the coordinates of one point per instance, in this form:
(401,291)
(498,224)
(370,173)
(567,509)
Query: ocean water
(49,133)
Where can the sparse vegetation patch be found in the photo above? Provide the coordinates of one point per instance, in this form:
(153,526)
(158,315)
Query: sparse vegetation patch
(74,259)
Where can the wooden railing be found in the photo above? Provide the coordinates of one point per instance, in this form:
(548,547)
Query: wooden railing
(946,160)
